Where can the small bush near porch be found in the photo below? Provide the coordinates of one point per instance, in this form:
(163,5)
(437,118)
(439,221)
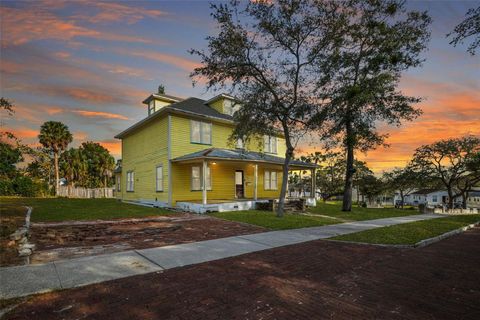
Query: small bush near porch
(62,209)
(322,214)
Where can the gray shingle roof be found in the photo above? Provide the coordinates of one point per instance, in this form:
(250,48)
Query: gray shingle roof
(193,106)
(241,155)
(198,106)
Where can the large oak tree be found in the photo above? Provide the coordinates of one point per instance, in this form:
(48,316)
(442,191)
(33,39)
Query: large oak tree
(454,162)
(381,40)
(274,56)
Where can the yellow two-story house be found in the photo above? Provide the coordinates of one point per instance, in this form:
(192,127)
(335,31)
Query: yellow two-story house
(180,155)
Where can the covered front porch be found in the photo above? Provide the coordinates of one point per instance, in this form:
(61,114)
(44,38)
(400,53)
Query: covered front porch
(228,180)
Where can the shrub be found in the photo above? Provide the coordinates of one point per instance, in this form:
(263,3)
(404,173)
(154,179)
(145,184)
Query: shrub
(6,187)
(24,186)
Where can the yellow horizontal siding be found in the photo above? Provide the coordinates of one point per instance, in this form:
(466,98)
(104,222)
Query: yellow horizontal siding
(142,152)
(181,144)
(223,181)
(147,147)
(217,105)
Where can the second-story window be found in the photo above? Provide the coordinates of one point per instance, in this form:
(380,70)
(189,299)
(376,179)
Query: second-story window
(200,132)
(270,144)
(240,144)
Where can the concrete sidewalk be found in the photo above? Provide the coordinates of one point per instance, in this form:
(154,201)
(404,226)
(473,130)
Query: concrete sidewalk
(25,280)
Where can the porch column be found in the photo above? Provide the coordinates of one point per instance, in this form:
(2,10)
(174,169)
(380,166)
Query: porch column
(204,182)
(313,192)
(301,183)
(255,181)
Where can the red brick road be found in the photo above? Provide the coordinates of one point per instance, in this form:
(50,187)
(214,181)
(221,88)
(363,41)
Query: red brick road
(315,280)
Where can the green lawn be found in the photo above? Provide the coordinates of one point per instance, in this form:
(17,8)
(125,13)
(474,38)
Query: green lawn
(333,209)
(61,209)
(411,233)
(268,219)
(322,214)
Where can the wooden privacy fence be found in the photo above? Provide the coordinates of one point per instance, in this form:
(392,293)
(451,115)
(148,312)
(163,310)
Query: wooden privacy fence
(71,192)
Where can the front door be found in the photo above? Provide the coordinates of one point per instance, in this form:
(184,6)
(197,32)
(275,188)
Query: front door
(239,189)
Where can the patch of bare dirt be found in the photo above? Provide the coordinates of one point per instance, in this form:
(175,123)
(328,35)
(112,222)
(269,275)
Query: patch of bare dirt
(56,241)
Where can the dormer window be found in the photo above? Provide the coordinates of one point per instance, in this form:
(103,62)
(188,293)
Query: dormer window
(157,101)
(228,107)
(224,103)
(151,107)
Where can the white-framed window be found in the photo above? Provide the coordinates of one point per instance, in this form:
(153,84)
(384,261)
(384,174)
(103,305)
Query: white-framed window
(130,181)
(228,107)
(119,182)
(197,178)
(270,180)
(270,144)
(159,178)
(151,107)
(200,132)
(240,144)
(434,199)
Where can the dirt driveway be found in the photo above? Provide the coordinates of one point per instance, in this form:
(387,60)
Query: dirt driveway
(314,280)
(55,241)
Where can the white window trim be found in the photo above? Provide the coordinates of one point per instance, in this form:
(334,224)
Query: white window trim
(157,189)
(209,178)
(119,182)
(273,186)
(202,138)
(240,144)
(130,181)
(268,181)
(199,179)
(270,144)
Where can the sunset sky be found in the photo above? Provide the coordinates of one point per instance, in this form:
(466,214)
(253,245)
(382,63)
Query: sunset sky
(90,64)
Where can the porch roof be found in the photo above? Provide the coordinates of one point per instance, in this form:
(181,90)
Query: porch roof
(240,155)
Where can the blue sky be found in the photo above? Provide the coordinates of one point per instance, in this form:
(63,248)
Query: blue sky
(89,64)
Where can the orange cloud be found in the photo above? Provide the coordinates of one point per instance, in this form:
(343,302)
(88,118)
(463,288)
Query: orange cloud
(24,133)
(37,22)
(114,146)
(80,136)
(100,114)
(62,55)
(114,12)
(179,62)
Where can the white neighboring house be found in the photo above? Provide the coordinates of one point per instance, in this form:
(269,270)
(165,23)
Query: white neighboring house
(429,197)
(473,200)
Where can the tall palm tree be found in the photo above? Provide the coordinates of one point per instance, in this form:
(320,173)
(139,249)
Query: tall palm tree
(55,136)
(107,165)
(73,165)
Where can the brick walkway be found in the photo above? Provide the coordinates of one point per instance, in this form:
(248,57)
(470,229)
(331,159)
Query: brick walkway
(313,280)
